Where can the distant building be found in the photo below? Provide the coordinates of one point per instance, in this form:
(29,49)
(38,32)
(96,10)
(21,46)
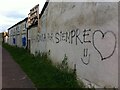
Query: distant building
(87,33)
(5,37)
(18,34)
(34,30)
(1,38)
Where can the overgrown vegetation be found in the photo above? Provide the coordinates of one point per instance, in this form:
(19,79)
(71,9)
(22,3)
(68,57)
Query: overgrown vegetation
(42,72)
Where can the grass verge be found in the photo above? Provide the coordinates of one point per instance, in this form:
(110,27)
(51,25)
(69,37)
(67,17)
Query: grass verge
(41,70)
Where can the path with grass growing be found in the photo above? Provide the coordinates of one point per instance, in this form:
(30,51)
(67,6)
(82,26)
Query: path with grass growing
(41,70)
(12,75)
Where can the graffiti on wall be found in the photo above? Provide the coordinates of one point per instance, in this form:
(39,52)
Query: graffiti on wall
(86,57)
(103,37)
(66,36)
(83,37)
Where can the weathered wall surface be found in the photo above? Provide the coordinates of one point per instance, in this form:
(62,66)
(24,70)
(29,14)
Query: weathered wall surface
(88,34)
(18,35)
(41,41)
(23,35)
(32,36)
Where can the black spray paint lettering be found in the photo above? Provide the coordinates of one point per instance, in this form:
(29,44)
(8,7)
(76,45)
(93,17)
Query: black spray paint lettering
(56,36)
(85,35)
(86,57)
(77,36)
(70,36)
(44,35)
(50,36)
(60,36)
(103,36)
(63,36)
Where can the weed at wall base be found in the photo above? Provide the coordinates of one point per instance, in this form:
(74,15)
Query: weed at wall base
(41,70)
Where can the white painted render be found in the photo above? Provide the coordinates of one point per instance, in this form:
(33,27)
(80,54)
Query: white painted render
(87,32)
(17,32)
(33,39)
(93,41)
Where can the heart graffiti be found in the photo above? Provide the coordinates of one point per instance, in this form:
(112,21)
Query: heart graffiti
(103,37)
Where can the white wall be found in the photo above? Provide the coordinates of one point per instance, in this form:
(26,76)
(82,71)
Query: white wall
(32,36)
(88,34)
(17,32)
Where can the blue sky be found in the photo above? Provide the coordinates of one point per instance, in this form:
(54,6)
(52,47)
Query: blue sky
(13,11)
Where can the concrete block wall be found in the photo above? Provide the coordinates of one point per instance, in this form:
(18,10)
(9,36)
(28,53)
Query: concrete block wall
(87,32)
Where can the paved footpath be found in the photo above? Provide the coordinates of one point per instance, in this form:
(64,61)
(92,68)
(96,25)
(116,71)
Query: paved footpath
(12,74)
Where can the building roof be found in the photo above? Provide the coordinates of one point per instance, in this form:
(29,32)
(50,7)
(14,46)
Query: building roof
(43,9)
(18,23)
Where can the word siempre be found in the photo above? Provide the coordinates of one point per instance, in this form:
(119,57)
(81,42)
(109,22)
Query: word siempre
(73,36)
(82,37)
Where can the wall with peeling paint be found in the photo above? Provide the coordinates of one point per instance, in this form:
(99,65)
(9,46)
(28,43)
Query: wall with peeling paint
(87,32)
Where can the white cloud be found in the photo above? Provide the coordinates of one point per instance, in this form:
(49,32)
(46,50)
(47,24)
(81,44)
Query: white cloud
(84,0)
(22,7)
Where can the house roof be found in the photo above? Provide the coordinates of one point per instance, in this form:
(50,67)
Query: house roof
(18,23)
(43,9)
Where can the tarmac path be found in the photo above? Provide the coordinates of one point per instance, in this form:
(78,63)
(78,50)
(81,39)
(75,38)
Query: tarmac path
(12,74)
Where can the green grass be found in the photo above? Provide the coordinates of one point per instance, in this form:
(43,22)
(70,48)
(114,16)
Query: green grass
(41,70)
